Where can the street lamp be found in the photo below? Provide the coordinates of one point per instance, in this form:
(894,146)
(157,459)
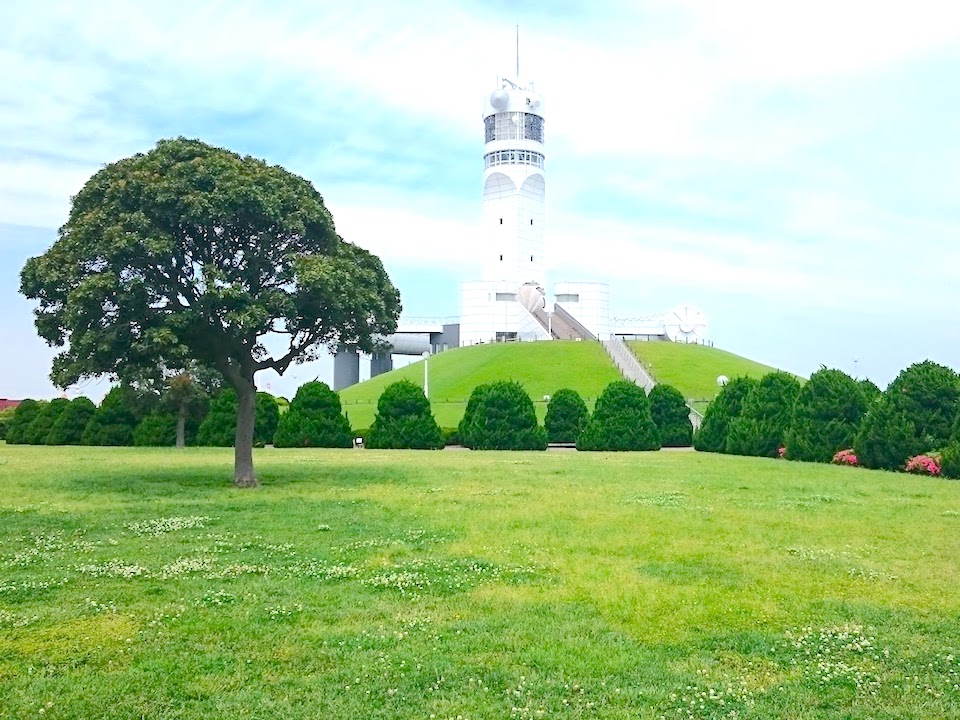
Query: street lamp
(426,374)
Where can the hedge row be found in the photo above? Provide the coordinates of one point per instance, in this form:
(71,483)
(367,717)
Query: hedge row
(919,413)
(499,416)
(126,417)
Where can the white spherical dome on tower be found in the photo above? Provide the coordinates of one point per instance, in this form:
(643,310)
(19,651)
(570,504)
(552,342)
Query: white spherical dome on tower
(499,99)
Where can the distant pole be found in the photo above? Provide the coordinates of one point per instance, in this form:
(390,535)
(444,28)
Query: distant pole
(518,53)
(426,374)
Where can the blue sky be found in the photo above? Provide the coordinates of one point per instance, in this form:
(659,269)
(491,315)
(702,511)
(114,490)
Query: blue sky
(793,168)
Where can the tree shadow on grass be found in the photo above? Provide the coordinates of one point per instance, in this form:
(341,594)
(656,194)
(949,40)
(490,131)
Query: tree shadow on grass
(203,478)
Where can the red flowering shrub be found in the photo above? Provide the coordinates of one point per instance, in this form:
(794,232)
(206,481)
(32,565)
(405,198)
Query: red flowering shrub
(923,465)
(845,457)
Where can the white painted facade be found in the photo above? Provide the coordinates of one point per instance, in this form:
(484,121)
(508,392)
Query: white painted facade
(588,302)
(490,312)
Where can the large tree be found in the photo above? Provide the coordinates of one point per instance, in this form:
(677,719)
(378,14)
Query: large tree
(193,251)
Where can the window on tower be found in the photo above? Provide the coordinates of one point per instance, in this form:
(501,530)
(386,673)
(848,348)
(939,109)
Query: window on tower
(513,126)
(508,157)
(490,128)
(532,127)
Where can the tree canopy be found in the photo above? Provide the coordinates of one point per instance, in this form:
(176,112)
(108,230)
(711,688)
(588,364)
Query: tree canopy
(404,420)
(566,416)
(500,416)
(193,252)
(621,420)
(826,416)
(314,420)
(722,411)
(671,416)
(761,427)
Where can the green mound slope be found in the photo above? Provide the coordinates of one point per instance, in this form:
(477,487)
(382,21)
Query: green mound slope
(542,367)
(693,369)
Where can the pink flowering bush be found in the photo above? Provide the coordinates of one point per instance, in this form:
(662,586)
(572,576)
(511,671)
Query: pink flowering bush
(845,457)
(781,452)
(923,465)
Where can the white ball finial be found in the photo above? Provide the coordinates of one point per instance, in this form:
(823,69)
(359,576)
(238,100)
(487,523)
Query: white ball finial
(499,99)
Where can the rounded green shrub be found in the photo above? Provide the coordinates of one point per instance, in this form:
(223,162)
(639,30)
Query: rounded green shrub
(69,426)
(950,461)
(6,416)
(112,423)
(38,432)
(761,428)
(826,416)
(927,394)
(870,391)
(156,430)
(404,420)
(500,416)
(25,413)
(725,407)
(266,418)
(621,420)
(887,437)
(671,416)
(314,420)
(219,427)
(566,416)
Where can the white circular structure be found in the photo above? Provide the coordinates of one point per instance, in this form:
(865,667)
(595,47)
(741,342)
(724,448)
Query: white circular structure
(499,99)
(685,324)
(722,380)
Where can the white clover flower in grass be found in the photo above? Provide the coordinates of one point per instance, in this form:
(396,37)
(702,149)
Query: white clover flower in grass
(162,526)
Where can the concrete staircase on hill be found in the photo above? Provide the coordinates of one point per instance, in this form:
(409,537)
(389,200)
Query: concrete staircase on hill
(633,370)
(627,363)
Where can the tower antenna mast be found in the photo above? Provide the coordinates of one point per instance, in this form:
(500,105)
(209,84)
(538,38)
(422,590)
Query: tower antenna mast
(518,52)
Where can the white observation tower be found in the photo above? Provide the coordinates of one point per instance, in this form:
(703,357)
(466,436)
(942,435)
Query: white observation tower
(513,184)
(500,306)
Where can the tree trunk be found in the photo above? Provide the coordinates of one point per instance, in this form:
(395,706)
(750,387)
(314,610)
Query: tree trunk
(181,426)
(243,442)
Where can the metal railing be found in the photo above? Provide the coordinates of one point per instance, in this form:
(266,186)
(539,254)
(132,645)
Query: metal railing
(631,368)
(627,363)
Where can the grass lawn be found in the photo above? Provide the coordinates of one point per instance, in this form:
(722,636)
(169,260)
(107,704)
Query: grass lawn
(361,584)
(693,369)
(542,367)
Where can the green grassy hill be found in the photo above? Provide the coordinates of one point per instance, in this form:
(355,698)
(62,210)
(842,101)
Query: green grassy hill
(693,369)
(542,367)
